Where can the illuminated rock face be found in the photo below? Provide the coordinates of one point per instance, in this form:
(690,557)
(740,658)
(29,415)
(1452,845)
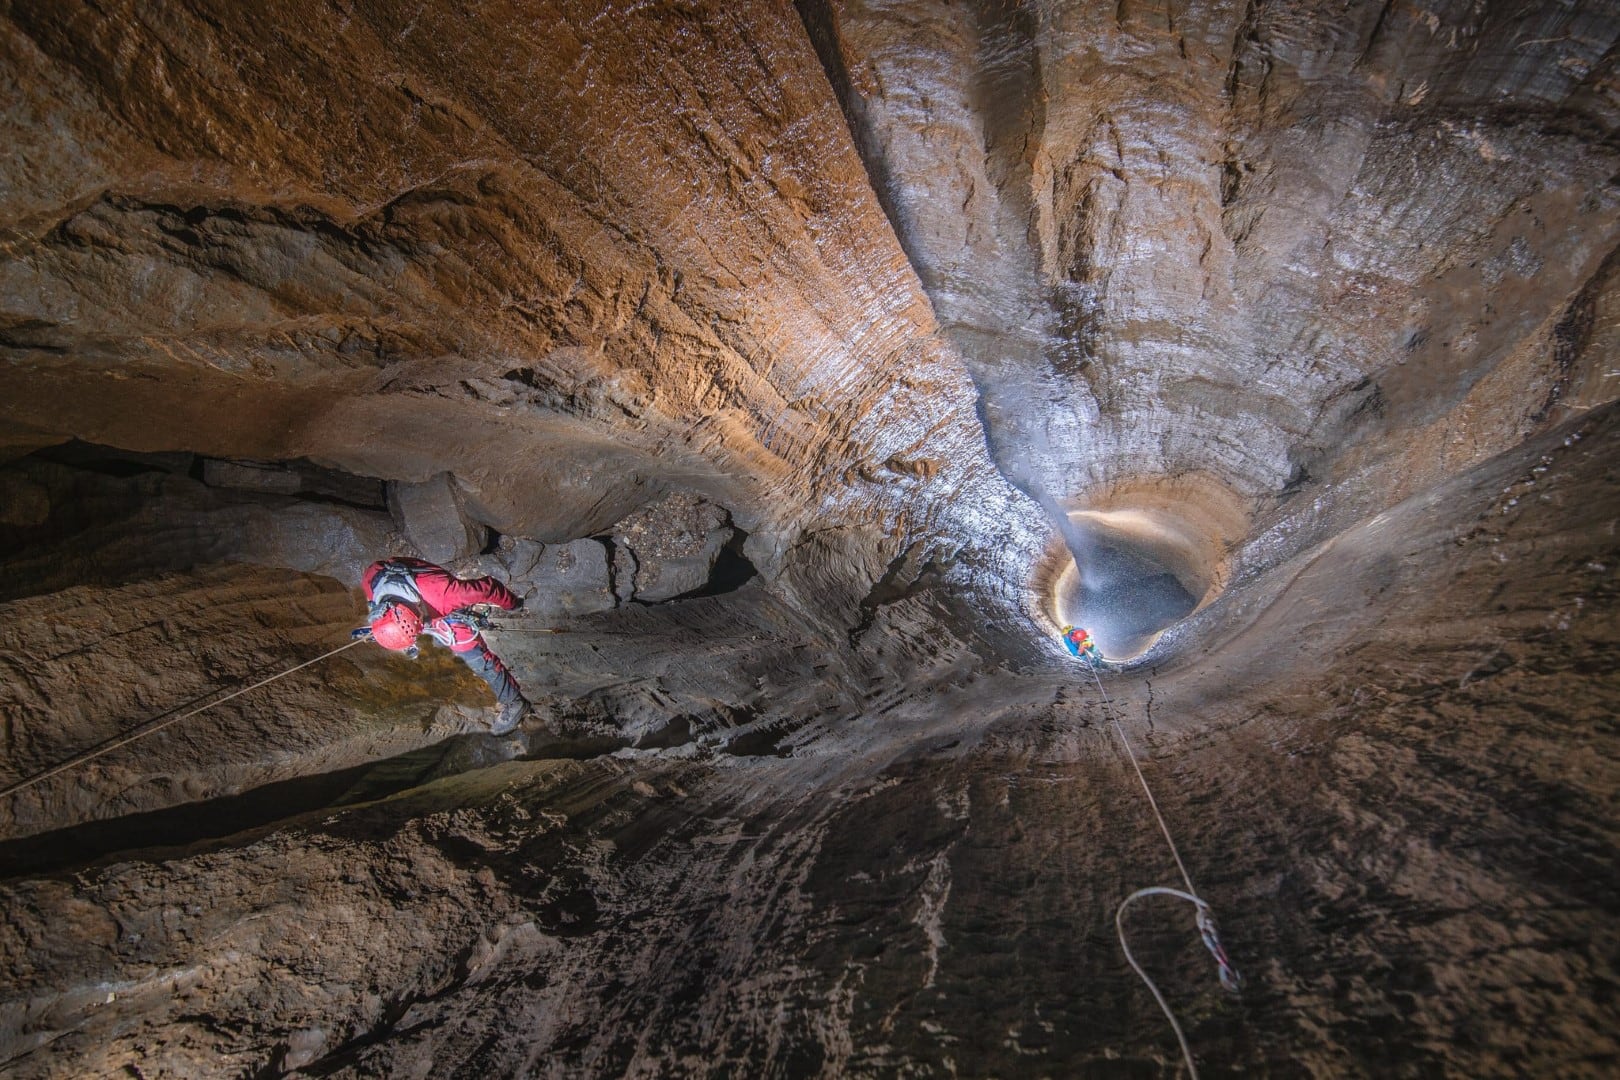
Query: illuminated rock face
(808,366)
(1301,256)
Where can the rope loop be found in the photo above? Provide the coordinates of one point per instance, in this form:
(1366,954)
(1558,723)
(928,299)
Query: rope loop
(1230,980)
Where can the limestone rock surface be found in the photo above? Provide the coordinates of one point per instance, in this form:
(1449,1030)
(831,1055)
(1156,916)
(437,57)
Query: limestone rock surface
(806,366)
(432,517)
(671,546)
(557,580)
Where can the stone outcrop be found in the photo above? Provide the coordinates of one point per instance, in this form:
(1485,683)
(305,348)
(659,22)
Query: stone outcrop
(298,478)
(670,548)
(804,367)
(72,526)
(432,517)
(555,580)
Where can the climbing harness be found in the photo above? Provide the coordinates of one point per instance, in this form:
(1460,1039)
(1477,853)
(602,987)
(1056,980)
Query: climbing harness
(1231,981)
(1080,644)
(394,581)
(151,726)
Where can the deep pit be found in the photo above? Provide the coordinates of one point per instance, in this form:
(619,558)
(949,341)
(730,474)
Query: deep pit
(1130,581)
(1141,558)
(806,368)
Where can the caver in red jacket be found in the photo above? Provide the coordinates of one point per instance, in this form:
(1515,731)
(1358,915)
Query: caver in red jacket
(411,596)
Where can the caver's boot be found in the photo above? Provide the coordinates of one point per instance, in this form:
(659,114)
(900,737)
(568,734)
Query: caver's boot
(512,714)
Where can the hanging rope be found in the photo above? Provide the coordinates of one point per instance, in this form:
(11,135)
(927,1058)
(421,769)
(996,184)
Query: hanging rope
(158,725)
(1205,917)
(508,628)
(1108,710)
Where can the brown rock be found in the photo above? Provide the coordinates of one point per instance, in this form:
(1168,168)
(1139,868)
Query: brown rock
(1285,330)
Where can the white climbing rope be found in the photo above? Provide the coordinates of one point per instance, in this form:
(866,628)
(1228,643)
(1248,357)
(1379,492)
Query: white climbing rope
(1108,710)
(1119,928)
(1230,980)
(158,725)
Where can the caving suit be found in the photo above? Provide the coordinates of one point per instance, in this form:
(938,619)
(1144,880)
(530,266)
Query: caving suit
(1080,644)
(441,599)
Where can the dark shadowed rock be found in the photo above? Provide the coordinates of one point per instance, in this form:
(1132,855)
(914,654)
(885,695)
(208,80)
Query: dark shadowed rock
(250,476)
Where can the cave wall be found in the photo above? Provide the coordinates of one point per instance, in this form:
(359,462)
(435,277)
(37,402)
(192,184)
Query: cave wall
(1296,248)
(889,287)
(1422,883)
(411,243)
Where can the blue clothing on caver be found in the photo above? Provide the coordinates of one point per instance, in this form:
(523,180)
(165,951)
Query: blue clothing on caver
(1079,642)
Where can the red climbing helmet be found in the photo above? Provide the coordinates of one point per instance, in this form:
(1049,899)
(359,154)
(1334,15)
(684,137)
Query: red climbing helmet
(396,628)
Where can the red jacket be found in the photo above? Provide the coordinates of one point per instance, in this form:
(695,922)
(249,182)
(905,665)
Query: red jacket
(439,593)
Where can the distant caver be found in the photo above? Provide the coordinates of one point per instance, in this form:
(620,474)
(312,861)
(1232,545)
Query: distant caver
(410,597)
(1080,644)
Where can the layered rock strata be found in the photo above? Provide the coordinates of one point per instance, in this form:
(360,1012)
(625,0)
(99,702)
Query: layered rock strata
(806,365)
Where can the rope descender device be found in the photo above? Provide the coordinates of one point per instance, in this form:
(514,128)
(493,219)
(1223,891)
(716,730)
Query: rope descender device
(1231,981)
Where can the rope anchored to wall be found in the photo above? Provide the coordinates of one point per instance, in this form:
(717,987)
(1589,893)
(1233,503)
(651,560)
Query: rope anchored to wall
(1230,980)
(507,628)
(152,726)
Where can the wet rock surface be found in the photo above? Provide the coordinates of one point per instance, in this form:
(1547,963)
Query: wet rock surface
(803,367)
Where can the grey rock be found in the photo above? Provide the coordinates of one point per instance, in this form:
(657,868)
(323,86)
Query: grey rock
(520,556)
(432,517)
(251,476)
(623,567)
(560,580)
(318,538)
(114,527)
(669,548)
